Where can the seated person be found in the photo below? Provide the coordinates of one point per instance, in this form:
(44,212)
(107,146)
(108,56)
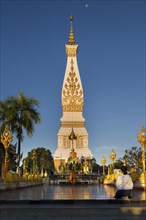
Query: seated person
(124,184)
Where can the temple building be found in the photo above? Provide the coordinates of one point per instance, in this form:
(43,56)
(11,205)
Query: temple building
(72,119)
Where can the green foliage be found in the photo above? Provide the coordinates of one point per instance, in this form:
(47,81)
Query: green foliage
(20,114)
(43,161)
(118,163)
(95,168)
(132,158)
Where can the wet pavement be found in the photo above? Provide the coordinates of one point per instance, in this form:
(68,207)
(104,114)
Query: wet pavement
(67,192)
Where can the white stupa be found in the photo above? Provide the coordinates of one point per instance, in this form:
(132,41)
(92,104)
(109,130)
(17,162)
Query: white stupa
(72,107)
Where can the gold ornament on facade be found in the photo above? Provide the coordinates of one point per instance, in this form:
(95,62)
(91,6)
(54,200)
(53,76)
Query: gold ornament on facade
(77,124)
(71,52)
(72,100)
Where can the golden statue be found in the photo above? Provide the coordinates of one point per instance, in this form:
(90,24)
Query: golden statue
(73,154)
(86,167)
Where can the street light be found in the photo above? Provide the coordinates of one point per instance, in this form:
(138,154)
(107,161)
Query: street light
(103,162)
(34,157)
(141,137)
(6,139)
(113,157)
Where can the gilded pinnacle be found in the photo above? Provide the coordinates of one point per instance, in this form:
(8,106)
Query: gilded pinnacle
(71,40)
(71,18)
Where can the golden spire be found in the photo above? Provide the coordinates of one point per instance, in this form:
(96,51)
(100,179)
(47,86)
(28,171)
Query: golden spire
(71,40)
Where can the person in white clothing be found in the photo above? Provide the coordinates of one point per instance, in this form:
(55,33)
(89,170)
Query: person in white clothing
(124,184)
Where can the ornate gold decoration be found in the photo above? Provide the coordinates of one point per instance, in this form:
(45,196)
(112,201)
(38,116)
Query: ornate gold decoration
(141,137)
(6,139)
(113,157)
(103,162)
(71,40)
(71,52)
(73,124)
(72,100)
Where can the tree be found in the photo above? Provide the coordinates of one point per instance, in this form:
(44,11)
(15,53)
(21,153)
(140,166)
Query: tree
(20,114)
(132,158)
(44,161)
(118,163)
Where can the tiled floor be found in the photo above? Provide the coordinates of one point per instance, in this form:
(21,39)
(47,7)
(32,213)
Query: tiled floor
(66,192)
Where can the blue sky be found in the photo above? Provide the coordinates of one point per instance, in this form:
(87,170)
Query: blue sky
(111,60)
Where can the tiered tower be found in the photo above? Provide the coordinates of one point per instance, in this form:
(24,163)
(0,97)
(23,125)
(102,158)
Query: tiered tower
(72,107)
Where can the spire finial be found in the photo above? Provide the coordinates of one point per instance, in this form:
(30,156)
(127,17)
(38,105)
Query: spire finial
(71,18)
(71,40)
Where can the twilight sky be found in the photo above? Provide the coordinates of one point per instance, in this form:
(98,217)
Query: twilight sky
(111,61)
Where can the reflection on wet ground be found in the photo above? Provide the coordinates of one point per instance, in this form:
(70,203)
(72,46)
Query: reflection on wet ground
(65,192)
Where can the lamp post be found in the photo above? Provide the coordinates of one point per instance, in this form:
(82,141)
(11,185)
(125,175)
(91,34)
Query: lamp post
(6,139)
(42,163)
(34,156)
(103,162)
(24,166)
(113,157)
(124,161)
(141,137)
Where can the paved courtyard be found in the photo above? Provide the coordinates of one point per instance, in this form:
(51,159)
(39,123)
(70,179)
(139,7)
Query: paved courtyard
(67,202)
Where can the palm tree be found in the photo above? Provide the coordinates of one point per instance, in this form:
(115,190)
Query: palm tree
(20,114)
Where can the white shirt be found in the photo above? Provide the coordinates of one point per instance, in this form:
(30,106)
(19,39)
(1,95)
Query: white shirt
(124,182)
